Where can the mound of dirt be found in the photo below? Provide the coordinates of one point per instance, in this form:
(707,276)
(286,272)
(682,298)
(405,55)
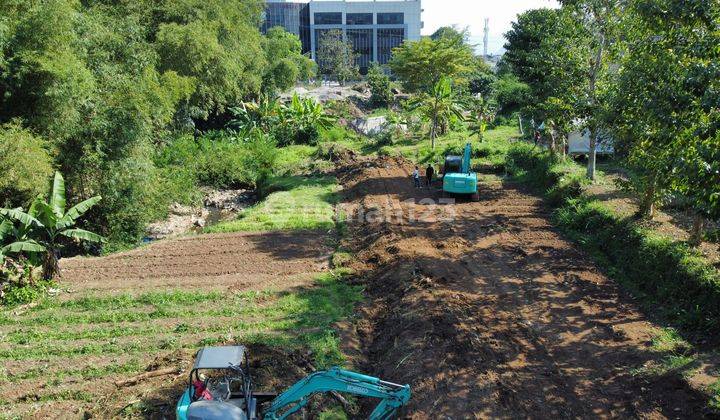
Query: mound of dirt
(487,312)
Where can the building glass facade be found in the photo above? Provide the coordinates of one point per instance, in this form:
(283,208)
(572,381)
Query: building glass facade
(328,18)
(373,28)
(390,18)
(362,42)
(387,39)
(294,17)
(359,19)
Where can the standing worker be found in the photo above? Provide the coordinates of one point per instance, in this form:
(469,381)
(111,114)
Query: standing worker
(416,177)
(429,172)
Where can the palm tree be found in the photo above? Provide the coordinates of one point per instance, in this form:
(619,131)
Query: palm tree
(37,231)
(438,107)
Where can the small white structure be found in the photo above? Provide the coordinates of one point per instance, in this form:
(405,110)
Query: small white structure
(371,125)
(579,143)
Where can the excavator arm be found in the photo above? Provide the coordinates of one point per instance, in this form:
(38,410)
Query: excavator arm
(392,396)
(466,159)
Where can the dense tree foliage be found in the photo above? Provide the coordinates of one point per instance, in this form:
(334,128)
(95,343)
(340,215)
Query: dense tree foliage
(25,165)
(286,63)
(420,65)
(102,85)
(547,49)
(666,102)
(646,71)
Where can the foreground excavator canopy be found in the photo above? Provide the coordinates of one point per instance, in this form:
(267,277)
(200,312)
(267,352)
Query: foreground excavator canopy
(231,397)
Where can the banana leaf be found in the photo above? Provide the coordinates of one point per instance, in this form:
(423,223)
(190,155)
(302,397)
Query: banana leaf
(83,235)
(76,211)
(6,229)
(23,246)
(57,195)
(20,216)
(43,212)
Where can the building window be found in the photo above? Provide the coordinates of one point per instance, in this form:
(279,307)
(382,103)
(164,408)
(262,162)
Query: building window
(361,40)
(359,19)
(328,18)
(387,39)
(390,18)
(294,17)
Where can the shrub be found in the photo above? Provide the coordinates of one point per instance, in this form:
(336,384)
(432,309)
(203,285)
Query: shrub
(558,179)
(219,161)
(221,165)
(379,84)
(20,281)
(25,165)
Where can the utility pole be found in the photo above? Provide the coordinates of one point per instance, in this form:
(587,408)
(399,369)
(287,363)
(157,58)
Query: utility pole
(485,37)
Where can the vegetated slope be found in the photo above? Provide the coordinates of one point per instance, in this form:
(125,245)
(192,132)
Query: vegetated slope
(487,312)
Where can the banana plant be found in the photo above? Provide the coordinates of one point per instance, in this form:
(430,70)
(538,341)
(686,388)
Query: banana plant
(481,114)
(439,107)
(37,231)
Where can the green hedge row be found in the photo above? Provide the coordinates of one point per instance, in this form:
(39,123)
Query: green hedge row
(669,277)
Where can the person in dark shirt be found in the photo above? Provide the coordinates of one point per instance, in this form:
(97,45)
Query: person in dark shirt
(429,172)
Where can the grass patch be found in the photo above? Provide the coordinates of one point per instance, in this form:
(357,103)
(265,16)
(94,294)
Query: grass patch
(488,153)
(714,390)
(293,202)
(289,319)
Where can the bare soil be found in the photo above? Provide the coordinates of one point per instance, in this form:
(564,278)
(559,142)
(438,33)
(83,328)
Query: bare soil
(489,313)
(234,261)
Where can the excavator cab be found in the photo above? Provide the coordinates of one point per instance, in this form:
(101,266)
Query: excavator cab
(458,176)
(453,164)
(220,387)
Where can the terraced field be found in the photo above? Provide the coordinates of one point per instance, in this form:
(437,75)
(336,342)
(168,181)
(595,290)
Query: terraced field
(150,309)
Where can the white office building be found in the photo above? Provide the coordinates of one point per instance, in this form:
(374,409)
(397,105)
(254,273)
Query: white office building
(373,27)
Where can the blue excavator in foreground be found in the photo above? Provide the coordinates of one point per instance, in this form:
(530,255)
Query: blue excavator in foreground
(220,388)
(458,177)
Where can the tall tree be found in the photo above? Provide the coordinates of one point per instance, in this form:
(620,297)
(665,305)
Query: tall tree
(379,84)
(666,103)
(336,57)
(548,50)
(601,20)
(421,64)
(286,63)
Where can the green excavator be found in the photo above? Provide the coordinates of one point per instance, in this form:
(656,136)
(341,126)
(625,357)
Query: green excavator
(220,388)
(458,177)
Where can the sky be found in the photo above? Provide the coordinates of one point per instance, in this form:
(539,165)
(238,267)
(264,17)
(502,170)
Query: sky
(472,14)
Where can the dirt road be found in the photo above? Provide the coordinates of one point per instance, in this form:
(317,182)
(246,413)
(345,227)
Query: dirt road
(487,312)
